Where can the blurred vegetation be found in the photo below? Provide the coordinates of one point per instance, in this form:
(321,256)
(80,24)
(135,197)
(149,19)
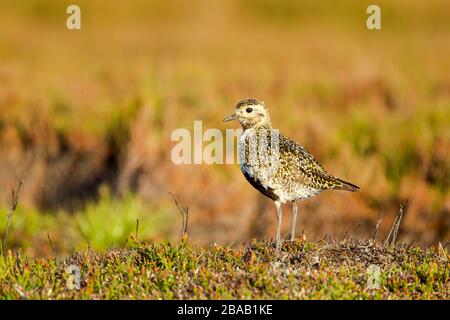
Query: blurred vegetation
(107,222)
(92,110)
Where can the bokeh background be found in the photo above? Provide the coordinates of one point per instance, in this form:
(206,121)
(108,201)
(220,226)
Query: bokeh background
(86,116)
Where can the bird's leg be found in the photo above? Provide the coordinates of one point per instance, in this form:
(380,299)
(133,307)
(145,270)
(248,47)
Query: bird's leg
(280,216)
(294,219)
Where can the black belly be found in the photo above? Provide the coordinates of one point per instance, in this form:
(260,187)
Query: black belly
(257,185)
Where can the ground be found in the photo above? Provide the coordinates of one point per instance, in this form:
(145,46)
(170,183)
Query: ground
(327,269)
(87,116)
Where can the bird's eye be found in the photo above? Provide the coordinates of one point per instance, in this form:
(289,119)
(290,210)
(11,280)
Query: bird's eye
(249,110)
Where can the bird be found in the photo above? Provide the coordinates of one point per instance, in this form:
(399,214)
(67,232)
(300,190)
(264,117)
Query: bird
(277,166)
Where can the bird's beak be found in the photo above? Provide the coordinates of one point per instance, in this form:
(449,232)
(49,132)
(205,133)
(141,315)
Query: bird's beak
(230,118)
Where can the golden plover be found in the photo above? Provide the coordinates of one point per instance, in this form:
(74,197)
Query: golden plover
(277,166)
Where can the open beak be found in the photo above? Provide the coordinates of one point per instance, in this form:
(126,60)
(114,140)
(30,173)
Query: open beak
(230,118)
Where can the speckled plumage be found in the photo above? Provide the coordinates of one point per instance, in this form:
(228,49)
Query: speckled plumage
(284,168)
(276,165)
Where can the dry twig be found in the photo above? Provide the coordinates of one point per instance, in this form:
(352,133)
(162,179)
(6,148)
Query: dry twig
(395,226)
(185,214)
(14,202)
(53,246)
(377,227)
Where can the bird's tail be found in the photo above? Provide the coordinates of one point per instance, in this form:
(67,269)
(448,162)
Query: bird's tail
(344,185)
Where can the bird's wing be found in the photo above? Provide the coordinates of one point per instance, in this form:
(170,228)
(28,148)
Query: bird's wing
(303,167)
(306,170)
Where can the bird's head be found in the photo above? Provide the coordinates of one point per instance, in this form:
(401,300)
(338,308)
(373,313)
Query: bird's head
(250,113)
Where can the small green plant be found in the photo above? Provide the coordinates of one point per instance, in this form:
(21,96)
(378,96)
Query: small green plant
(111,220)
